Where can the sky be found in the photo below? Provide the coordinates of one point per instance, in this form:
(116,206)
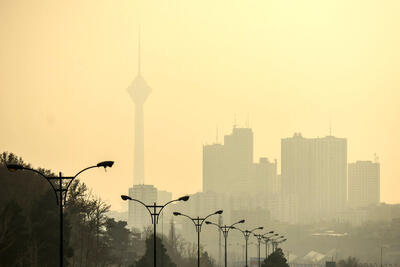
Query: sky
(283,65)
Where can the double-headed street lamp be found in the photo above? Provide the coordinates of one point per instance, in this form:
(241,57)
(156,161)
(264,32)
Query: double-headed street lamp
(259,238)
(225,230)
(198,222)
(60,185)
(246,234)
(276,242)
(266,240)
(154,211)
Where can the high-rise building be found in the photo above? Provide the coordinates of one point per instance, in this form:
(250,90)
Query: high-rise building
(139,91)
(138,215)
(163,197)
(238,148)
(214,166)
(228,167)
(331,175)
(298,181)
(314,172)
(363,183)
(264,177)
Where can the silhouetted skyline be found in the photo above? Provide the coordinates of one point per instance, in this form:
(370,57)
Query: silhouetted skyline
(291,65)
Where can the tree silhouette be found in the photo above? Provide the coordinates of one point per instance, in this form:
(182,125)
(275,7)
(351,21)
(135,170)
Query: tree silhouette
(350,262)
(29,228)
(13,233)
(276,259)
(162,257)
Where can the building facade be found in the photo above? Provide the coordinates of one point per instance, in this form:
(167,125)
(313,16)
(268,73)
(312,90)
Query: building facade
(138,215)
(363,183)
(314,173)
(229,167)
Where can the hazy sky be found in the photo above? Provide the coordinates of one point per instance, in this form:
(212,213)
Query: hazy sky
(291,65)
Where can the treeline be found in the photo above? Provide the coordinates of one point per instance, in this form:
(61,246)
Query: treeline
(29,228)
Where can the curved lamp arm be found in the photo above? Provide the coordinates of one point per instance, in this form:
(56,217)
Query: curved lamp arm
(232,225)
(258,228)
(268,237)
(104,164)
(181,214)
(208,222)
(184,198)
(243,232)
(16,167)
(275,237)
(215,213)
(241,221)
(124,197)
(85,169)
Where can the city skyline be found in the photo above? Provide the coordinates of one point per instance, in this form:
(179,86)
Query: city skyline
(270,136)
(60,115)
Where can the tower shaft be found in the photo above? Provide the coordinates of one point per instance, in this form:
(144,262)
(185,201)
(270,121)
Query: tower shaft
(138,171)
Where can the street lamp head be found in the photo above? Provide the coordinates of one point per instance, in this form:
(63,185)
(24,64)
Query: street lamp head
(105,164)
(219,212)
(207,222)
(14,167)
(185,198)
(177,213)
(276,234)
(270,232)
(260,228)
(242,221)
(124,197)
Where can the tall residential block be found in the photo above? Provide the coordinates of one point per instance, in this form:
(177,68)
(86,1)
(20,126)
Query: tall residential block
(229,167)
(138,215)
(314,173)
(363,183)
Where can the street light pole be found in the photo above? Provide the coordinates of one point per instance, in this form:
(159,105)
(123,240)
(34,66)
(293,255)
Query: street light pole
(198,222)
(276,242)
(266,240)
(259,238)
(59,192)
(225,230)
(61,222)
(246,234)
(154,216)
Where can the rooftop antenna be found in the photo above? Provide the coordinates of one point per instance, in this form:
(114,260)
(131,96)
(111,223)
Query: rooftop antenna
(248,121)
(330,126)
(234,121)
